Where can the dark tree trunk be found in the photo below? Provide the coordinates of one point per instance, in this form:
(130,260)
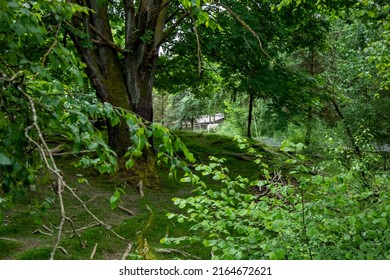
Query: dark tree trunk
(123,77)
(250,113)
(309,127)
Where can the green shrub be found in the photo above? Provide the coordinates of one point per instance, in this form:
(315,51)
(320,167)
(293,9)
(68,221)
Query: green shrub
(309,215)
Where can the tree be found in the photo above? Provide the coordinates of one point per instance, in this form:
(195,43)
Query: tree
(259,62)
(120,42)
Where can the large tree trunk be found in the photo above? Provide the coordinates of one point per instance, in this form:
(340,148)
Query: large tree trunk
(122,77)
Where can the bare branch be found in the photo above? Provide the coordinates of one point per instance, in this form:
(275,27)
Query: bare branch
(131,213)
(127,251)
(50,164)
(55,42)
(199,51)
(93,251)
(169,251)
(245,25)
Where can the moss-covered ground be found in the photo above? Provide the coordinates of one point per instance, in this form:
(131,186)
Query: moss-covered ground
(29,232)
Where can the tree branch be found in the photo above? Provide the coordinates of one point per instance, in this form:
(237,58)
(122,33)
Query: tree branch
(245,25)
(171,29)
(50,164)
(106,40)
(199,51)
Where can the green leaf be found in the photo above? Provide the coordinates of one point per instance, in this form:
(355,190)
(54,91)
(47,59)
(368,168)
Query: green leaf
(182,204)
(4,160)
(129,163)
(93,146)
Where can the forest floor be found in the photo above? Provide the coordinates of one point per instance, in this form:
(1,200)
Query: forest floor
(28,233)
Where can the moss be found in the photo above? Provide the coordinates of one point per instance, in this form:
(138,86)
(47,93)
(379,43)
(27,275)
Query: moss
(35,254)
(8,247)
(96,194)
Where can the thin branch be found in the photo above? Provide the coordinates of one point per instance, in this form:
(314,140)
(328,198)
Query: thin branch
(42,232)
(63,250)
(171,29)
(127,251)
(93,251)
(52,46)
(107,227)
(106,40)
(14,78)
(52,167)
(131,213)
(86,227)
(199,51)
(46,156)
(169,251)
(245,25)
(8,239)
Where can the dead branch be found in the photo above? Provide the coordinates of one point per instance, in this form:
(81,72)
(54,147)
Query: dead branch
(242,156)
(51,166)
(93,251)
(49,162)
(107,227)
(140,186)
(84,228)
(8,239)
(52,46)
(42,232)
(63,250)
(131,213)
(199,51)
(169,251)
(127,251)
(245,25)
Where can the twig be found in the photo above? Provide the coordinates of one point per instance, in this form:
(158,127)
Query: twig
(63,250)
(42,232)
(127,251)
(107,227)
(84,228)
(93,251)
(75,231)
(168,251)
(245,25)
(46,155)
(47,228)
(71,153)
(199,51)
(141,188)
(55,42)
(131,213)
(52,167)
(8,239)
(14,78)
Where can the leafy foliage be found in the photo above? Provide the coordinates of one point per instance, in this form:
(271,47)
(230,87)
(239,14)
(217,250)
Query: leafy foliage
(39,110)
(305,217)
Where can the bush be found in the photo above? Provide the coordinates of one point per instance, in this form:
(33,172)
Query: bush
(308,216)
